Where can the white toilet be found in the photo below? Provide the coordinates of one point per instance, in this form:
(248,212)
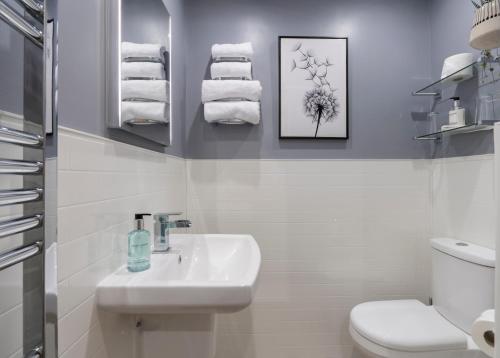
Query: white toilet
(462,286)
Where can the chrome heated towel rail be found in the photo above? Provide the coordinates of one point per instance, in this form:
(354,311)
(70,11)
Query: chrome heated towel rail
(28,131)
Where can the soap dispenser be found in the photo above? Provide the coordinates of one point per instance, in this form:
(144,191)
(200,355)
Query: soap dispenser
(456,115)
(139,246)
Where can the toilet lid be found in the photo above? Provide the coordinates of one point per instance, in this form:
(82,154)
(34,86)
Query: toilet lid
(406,325)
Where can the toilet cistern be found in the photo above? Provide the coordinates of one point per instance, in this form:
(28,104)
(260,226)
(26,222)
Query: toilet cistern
(162,230)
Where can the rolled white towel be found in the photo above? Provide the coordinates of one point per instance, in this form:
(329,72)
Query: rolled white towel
(231,70)
(212,90)
(131,49)
(228,111)
(146,90)
(157,111)
(143,69)
(233,50)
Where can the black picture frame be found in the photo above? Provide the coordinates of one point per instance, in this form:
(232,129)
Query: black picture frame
(280,100)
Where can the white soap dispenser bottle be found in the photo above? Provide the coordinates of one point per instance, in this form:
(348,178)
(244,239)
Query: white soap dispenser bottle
(457,114)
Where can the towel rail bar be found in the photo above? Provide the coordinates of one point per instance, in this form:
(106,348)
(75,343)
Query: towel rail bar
(12,197)
(35,353)
(231,59)
(19,255)
(16,21)
(33,6)
(20,224)
(144,59)
(14,136)
(8,166)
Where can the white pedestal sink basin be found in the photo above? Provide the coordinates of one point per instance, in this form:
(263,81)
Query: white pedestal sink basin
(200,274)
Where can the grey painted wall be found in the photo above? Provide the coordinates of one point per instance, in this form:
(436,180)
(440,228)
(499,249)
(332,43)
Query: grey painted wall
(451,21)
(389,45)
(82,72)
(394,47)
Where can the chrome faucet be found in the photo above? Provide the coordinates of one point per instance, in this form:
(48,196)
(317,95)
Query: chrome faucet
(162,230)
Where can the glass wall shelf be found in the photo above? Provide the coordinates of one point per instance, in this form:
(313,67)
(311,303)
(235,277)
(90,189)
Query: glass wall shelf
(435,88)
(470,128)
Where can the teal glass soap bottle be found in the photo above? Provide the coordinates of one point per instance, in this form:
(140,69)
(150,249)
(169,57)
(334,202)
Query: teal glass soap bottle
(139,246)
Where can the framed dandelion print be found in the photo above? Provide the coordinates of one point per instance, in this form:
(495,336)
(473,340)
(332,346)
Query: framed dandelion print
(313,87)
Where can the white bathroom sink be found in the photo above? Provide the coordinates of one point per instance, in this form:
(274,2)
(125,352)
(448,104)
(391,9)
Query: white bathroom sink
(200,274)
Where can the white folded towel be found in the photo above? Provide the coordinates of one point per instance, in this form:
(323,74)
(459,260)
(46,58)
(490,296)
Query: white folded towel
(212,90)
(146,90)
(233,50)
(130,49)
(143,69)
(227,111)
(231,70)
(157,111)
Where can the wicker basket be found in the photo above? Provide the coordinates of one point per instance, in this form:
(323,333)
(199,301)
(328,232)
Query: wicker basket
(485,34)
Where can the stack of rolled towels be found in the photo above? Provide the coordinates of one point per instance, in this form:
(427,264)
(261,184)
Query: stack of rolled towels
(145,90)
(237,97)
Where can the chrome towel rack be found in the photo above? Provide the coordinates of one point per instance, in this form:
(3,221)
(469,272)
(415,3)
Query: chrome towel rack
(27,166)
(20,224)
(14,136)
(19,196)
(9,166)
(16,21)
(33,6)
(20,254)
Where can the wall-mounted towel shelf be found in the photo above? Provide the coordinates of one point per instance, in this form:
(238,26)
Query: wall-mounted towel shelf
(236,102)
(137,99)
(144,59)
(142,79)
(232,78)
(234,99)
(145,122)
(230,121)
(231,59)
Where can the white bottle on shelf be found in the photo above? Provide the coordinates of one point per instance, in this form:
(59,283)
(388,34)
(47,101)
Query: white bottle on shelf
(456,116)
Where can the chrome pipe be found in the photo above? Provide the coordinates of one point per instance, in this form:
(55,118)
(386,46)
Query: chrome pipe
(32,6)
(13,197)
(18,23)
(35,353)
(8,166)
(20,224)
(18,255)
(14,136)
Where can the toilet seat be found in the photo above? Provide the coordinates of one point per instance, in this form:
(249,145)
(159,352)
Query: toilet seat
(404,326)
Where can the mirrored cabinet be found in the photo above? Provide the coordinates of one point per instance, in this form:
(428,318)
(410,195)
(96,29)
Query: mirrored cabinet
(138,83)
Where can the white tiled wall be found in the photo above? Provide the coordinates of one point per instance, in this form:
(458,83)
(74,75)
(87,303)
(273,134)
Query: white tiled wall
(332,234)
(463,200)
(101,184)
